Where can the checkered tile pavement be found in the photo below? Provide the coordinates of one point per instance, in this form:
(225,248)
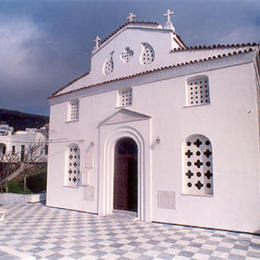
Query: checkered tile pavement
(50,233)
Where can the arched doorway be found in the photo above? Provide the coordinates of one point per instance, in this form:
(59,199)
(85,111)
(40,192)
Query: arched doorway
(125,175)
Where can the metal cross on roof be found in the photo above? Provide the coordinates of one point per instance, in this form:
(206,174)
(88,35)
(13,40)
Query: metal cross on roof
(131,17)
(168,14)
(97,42)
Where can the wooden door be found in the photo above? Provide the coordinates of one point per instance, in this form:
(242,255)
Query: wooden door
(125,175)
(120,183)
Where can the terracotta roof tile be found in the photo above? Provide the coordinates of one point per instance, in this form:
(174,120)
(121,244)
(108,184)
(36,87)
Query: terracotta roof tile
(155,70)
(74,80)
(127,23)
(179,38)
(214,46)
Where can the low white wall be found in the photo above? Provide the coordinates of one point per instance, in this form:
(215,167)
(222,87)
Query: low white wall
(14,198)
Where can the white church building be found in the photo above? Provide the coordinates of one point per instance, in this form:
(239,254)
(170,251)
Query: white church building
(161,129)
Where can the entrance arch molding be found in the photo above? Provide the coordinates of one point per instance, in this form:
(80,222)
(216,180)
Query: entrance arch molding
(106,206)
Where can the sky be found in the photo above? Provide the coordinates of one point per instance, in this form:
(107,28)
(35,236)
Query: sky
(44,44)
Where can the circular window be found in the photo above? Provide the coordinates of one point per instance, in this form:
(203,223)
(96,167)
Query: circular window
(126,54)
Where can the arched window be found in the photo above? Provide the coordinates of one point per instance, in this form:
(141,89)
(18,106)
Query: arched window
(73,165)
(147,55)
(109,64)
(197,91)
(197,168)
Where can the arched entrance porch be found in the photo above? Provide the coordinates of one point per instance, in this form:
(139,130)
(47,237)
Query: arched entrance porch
(110,133)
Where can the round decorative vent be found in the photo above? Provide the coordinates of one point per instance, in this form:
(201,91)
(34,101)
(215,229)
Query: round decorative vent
(126,54)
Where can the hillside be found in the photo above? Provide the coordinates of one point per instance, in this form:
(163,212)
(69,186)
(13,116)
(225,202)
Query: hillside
(20,120)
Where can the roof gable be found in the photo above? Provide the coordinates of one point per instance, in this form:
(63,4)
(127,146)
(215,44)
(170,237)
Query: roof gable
(122,54)
(123,116)
(133,37)
(152,24)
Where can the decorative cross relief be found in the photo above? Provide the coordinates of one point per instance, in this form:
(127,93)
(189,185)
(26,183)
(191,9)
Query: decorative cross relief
(131,17)
(127,54)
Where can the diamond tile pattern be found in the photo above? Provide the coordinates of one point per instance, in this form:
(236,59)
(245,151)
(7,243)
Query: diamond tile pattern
(50,233)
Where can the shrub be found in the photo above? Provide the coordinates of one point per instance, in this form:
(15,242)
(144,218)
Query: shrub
(17,187)
(37,183)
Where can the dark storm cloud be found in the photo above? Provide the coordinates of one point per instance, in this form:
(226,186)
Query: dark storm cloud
(46,43)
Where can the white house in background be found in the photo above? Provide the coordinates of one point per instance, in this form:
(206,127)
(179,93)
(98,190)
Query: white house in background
(156,127)
(20,142)
(5,129)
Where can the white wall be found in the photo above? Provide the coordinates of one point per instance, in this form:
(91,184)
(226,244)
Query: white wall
(229,121)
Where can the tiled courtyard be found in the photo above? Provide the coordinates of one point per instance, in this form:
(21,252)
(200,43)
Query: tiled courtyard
(34,231)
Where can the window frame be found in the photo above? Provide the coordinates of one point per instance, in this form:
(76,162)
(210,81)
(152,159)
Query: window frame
(122,103)
(203,92)
(143,58)
(206,173)
(67,182)
(71,103)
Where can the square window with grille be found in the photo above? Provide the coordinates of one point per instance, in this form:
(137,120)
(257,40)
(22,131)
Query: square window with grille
(125,97)
(73,113)
(197,92)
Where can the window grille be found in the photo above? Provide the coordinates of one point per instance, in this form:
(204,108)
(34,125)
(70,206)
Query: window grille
(74,110)
(125,97)
(147,55)
(198,168)
(109,64)
(73,165)
(126,54)
(197,92)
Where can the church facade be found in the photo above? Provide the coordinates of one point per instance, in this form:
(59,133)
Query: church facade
(161,129)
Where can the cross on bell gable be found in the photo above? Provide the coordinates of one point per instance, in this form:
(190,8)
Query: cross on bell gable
(97,42)
(168,24)
(168,14)
(131,17)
